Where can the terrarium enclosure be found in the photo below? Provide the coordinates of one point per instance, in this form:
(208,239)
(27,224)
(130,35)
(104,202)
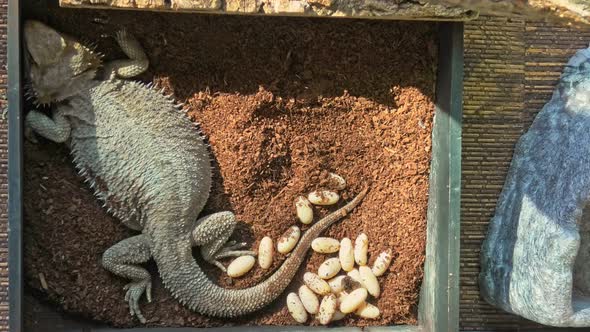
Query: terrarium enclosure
(281,102)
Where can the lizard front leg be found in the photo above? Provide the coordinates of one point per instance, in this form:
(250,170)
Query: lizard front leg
(136,64)
(56,128)
(121,259)
(212,233)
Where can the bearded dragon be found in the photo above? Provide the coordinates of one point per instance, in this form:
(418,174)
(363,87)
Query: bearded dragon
(146,160)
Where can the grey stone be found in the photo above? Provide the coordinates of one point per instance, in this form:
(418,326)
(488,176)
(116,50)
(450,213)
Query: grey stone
(146,4)
(201,4)
(567,11)
(535,258)
(386,9)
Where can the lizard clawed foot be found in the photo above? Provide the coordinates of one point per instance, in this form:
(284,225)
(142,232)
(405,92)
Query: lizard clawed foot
(233,245)
(134,292)
(223,253)
(226,252)
(219,265)
(231,250)
(122,35)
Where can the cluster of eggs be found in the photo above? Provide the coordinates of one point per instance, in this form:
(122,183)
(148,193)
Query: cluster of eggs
(341,294)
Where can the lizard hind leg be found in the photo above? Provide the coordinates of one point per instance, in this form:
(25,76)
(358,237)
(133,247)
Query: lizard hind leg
(120,259)
(212,234)
(136,64)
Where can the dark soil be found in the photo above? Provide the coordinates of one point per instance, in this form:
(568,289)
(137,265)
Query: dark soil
(281,100)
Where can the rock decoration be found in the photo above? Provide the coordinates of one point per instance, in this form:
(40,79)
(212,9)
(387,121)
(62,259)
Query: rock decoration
(535,259)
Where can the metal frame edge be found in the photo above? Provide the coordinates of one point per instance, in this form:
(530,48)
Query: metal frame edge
(15,163)
(439,295)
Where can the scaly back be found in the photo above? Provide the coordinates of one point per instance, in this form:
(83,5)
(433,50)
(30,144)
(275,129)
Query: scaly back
(139,151)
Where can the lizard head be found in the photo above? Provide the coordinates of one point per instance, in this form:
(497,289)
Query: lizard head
(57,65)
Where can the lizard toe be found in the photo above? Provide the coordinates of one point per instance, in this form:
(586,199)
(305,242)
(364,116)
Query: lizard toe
(232,245)
(121,35)
(219,265)
(234,253)
(134,292)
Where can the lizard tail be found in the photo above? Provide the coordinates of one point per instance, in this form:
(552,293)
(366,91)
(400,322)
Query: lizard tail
(189,284)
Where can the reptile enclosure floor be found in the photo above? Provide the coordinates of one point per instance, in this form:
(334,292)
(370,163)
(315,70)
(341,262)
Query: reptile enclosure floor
(280,100)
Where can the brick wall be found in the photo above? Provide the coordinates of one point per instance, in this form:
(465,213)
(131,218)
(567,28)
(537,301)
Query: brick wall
(511,68)
(3,172)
